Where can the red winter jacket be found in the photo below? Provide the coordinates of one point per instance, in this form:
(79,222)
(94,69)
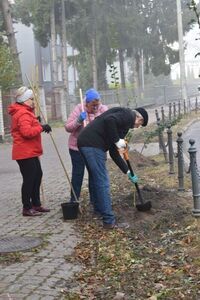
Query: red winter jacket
(26,132)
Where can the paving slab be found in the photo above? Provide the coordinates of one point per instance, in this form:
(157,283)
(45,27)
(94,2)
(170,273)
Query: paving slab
(41,274)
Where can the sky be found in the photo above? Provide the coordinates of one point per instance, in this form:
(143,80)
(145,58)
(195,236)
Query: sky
(192,40)
(192,47)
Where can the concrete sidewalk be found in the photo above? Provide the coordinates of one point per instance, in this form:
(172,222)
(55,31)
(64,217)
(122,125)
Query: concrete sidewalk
(42,274)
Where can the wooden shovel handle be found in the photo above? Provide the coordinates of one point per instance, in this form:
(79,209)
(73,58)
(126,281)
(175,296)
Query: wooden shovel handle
(82,105)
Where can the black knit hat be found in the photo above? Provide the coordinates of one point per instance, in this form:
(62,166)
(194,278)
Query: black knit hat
(144,114)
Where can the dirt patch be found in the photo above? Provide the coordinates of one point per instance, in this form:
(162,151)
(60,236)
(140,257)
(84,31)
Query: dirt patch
(136,159)
(166,204)
(11,258)
(156,258)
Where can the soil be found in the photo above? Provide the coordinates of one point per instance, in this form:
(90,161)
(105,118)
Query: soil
(156,258)
(166,204)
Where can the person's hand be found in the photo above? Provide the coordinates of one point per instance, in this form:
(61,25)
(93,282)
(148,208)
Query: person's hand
(121,144)
(46,128)
(133,179)
(82,117)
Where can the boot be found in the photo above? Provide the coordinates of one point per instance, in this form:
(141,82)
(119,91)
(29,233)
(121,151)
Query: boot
(41,209)
(30,213)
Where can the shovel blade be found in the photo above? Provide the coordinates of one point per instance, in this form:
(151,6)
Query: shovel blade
(144,207)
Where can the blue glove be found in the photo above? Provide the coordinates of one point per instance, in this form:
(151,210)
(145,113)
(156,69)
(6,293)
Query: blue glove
(82,117)
(134,178)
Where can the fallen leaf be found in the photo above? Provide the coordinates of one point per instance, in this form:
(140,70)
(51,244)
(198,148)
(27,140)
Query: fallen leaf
(119,296)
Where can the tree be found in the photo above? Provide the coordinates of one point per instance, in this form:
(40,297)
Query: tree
(48,20)
(8,70)
(192,5)
(104,31)
(37,13)
(10,64)
(130,28)
(156,34)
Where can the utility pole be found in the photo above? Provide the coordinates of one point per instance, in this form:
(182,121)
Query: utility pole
(181,51)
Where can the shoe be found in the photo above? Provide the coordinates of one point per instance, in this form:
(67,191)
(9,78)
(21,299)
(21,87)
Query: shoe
(41,209)
(115,226)
(30,213)
(96,215)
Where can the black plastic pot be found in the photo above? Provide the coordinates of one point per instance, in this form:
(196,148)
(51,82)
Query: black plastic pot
(70,210)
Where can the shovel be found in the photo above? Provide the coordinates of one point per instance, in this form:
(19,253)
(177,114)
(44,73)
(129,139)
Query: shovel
(142,206)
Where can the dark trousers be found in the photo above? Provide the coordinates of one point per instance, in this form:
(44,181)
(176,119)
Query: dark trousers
(31,171)
(78,167)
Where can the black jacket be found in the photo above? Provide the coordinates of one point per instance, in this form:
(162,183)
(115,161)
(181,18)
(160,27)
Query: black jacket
(106,130)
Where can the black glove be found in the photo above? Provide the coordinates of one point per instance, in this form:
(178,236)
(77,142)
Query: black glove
(46,128)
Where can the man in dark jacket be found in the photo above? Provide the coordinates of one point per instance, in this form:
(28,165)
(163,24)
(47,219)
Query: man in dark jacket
(107,133)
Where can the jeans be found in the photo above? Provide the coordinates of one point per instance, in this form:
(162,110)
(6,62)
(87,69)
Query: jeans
(99,185)
(31,171)
(78,167)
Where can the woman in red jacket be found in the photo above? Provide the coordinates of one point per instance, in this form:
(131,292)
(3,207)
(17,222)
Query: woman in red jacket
(26,132)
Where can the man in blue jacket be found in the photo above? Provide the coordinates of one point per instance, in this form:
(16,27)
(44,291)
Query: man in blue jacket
(107,133)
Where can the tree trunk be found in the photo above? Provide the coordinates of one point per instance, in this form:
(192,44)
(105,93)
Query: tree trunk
(137,68)
(11,37)
(74,69)
(54,66)
(121,64)
(64,63)
(94,62)
(137,76)
(94,48)
(53,47)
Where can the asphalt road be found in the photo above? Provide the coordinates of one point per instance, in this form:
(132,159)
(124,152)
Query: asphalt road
(193,132)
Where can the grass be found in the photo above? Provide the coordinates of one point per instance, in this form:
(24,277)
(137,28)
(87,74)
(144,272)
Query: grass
(160,174)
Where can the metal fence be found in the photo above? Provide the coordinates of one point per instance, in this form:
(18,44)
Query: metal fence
(56,107)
